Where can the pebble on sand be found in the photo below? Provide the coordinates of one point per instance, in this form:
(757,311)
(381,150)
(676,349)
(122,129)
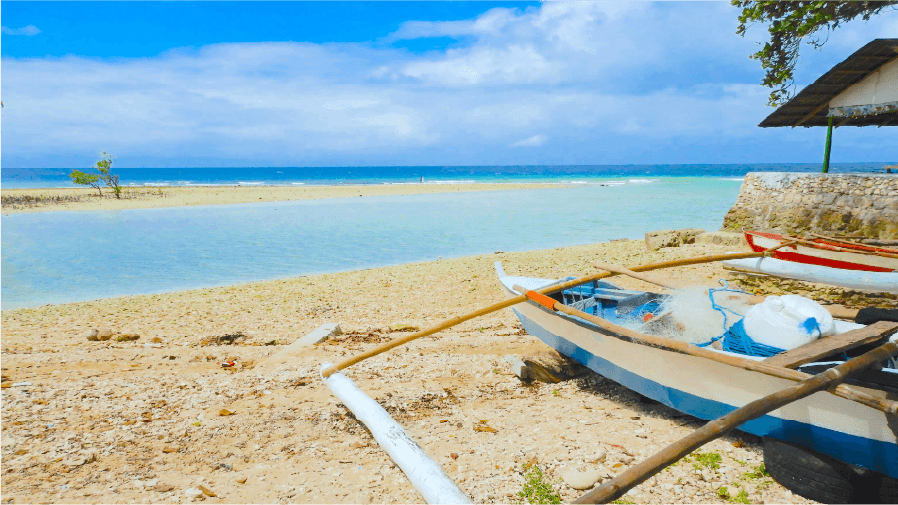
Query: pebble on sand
(193,493)
(582,480)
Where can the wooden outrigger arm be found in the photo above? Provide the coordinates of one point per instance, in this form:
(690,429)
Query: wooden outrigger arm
(518,299)
(633,476)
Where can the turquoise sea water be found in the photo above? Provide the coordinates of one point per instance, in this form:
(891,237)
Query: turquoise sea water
(58,257)
(286,176)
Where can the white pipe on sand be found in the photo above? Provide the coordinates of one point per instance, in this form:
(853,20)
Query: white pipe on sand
(424,473)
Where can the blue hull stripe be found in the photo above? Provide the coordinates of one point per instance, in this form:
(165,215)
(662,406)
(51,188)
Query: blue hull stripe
(873,454)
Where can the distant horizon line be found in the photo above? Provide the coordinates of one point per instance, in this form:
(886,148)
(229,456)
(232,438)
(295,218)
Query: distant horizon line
(820,162)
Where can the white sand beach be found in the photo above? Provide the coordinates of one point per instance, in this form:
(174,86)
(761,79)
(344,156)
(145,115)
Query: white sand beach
(141,421)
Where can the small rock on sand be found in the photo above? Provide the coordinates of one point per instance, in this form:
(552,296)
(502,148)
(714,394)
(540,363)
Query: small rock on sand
(193,493)
(90,334)
(655,240)
(582,480)
(104,334)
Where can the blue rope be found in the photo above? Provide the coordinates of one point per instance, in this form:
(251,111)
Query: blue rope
(723,310)
(719,308)
(734,338)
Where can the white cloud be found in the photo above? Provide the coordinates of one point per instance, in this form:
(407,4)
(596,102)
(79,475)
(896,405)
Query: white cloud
(29,31)
(607,83)
(490,22)
(534,141)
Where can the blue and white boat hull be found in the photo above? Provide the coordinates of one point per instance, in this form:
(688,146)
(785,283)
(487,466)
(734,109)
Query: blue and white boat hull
(828,424)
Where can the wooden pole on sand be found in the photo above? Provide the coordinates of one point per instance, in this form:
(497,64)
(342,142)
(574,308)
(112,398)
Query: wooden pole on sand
(618,486)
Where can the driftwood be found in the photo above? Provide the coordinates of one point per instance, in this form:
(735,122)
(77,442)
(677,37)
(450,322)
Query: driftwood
(618,486)
(546,366)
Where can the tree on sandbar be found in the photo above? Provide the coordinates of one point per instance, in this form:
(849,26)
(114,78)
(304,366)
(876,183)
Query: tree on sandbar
(789,23)
(86,179)
(105,177)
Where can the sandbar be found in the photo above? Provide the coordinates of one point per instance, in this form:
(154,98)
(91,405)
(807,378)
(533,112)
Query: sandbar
(82,199)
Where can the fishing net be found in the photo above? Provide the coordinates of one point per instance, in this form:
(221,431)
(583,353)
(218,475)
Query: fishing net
(696,315)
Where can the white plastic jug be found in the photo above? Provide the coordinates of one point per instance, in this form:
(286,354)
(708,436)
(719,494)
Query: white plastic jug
(787,321)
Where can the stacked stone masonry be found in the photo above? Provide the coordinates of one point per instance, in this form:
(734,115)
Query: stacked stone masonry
(830,204)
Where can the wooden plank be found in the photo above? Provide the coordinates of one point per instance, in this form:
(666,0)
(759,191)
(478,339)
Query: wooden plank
(834,344)
(290,352)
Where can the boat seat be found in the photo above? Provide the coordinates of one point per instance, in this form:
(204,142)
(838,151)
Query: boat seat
(833,344)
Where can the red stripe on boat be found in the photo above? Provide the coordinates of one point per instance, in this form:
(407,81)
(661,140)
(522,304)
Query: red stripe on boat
(797,257)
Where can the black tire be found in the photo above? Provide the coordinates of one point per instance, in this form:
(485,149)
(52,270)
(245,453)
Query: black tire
(821,478)
(887,491)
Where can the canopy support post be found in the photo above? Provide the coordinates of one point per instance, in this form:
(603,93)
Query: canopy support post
(829,142)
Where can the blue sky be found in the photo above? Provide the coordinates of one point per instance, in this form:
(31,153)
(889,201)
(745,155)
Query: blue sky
(402,83)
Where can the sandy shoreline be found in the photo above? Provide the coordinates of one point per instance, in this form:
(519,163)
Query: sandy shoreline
(115,422)
(62,199)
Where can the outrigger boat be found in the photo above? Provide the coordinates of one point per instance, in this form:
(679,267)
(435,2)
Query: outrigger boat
(843,408)
(825,251)
(822,259)
(712,383)
(886,282)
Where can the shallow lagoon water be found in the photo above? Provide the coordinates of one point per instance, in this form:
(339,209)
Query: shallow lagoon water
(59,257)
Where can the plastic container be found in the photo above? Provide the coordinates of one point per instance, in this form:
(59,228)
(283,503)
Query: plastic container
(787,321)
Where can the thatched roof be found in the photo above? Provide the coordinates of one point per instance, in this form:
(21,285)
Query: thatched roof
(810,106)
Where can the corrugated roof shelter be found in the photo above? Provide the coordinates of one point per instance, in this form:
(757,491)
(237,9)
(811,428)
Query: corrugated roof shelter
(860,91)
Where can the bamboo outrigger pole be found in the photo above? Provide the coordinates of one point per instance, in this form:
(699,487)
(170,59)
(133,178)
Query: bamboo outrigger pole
(518,299)
(633,476)
(834,310)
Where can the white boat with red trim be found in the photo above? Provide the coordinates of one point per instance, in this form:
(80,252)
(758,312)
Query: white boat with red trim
(831,253)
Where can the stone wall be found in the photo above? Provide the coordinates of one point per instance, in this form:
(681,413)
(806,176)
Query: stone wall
(830,204)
